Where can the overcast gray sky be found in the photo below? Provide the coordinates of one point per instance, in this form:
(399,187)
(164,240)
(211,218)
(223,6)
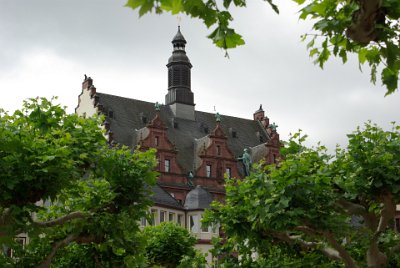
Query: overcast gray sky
(46,46)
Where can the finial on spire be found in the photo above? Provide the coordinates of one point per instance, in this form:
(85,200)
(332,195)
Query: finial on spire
(179,19)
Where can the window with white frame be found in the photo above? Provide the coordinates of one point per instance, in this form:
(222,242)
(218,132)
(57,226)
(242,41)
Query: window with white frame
(228,172)
(171,216)
(194,223)
(163,216)
(204,228)
(208,171)
(214,228)
(156,140)
(167,165)
(180,220)
(143,221)
(153,217)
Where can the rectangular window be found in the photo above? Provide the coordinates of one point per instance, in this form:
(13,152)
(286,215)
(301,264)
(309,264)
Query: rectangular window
(158,163)
(228,172)
(194,223)
(218,150)
(171,216)
(153,217)
(208,171)
(180,219)
(214,228)
(162,216)
(204,229)
(156,140)
(143,221)
(167,165)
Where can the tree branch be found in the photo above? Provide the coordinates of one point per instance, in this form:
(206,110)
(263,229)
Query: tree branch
(62,243)
(327,251)
(63,219)
(370,219)
(375,257)
(363,27)
(46,263)
(387,212)
(344,255)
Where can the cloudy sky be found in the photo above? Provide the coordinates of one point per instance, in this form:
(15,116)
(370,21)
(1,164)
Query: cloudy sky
(46,47)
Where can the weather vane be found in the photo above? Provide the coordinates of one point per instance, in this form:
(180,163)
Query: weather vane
(179,19)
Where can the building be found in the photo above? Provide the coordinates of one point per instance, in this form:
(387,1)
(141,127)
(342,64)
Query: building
(195,149)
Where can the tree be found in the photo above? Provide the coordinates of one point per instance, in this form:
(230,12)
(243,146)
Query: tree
(368,28)
(64,187)
(168,244)
(323,209)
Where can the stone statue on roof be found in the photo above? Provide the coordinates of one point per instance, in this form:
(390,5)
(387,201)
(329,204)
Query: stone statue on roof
(217,117)
(157,106)
(273,126)
(190,179)
(246,160)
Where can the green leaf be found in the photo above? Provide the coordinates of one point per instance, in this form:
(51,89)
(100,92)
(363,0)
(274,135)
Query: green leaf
(134,3)
(362,55)
(173,6)
(313,52)
(145,5)
(390,79)
(274,7)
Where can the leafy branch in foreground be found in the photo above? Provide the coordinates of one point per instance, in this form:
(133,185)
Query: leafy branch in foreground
(330,211)
(68,191)
(367,28)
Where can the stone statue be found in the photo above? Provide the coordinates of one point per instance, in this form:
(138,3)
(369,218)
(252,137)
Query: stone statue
(217,117)
(190,179)
(273,126)
(246,160)
(157,106)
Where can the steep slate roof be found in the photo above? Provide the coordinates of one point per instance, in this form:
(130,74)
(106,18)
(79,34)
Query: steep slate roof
(161,197)
(128,115)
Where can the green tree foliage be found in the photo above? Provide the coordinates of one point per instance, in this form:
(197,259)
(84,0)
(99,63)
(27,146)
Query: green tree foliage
(168,244)
(368,28)
(77,199)
(314,209)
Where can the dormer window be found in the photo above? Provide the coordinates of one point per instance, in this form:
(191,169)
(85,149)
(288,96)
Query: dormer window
(143,118)
(111,113)
(156,140)
(167,165)
(208,171)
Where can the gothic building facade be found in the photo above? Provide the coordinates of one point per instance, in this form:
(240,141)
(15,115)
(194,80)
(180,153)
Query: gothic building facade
(195,149)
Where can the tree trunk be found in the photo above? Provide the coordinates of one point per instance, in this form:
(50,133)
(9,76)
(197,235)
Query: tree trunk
(363,28)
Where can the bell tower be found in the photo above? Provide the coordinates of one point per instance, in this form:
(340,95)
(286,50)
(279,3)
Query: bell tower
(179,96)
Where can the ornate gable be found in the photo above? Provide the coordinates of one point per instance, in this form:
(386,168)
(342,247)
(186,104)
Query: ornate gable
(216,159)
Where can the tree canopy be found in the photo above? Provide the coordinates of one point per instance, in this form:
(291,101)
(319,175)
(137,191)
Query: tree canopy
(367,28)
(77,199)
(313,207)
(168,244)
